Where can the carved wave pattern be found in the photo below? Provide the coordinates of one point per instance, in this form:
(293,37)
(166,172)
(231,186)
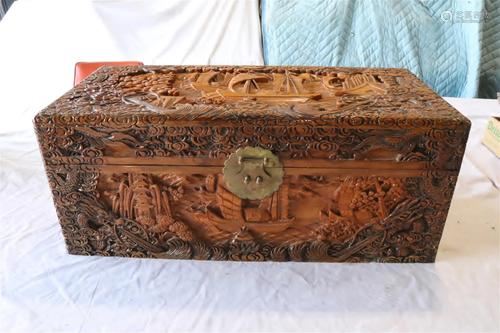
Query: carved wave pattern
(439,148)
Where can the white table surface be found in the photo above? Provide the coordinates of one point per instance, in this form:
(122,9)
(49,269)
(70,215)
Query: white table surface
(45,289)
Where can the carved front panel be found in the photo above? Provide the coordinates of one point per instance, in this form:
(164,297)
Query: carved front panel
(310,218)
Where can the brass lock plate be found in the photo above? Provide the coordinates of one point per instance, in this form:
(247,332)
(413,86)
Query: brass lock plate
(253,173)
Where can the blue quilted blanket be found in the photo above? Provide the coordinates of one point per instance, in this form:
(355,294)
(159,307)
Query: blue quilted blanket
(452,45)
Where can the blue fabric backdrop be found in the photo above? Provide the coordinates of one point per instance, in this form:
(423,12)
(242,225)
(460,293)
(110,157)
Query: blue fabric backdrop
(455,59)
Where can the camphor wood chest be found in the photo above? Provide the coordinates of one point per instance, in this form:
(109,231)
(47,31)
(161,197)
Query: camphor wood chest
(253,163)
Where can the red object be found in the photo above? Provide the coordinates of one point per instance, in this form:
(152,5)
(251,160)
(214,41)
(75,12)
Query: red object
(84,69)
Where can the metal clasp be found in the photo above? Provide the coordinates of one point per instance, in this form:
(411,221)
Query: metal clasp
(253,173)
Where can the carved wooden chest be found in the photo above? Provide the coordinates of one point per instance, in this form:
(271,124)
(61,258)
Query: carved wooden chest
(253,163)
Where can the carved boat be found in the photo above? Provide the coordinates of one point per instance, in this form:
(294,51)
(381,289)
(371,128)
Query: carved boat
(301,97)
(364,88)
(235,225)
(281,80)
(361,84)
(270,216)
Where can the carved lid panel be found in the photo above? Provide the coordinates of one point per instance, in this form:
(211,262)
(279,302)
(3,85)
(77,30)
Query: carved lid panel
(328,113)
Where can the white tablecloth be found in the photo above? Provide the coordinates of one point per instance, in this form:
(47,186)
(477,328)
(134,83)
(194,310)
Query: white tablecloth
(45,289)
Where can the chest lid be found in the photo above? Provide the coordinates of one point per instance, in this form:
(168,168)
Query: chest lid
(173,115)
